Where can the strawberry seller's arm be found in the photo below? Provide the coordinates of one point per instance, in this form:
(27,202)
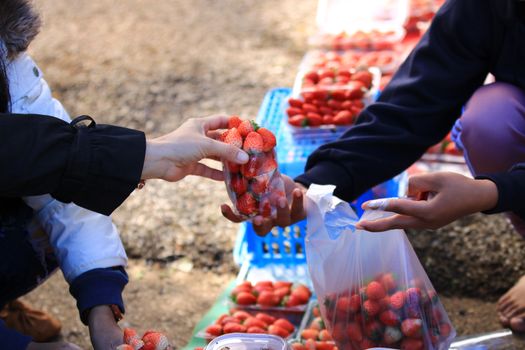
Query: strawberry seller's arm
(95,167)
(417,108)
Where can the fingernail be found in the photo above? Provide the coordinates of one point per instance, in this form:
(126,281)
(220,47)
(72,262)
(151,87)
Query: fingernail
(380,204)
(242,157)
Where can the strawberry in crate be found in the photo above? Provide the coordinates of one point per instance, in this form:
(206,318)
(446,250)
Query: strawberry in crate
(151,340)
(268,294)
(255,187)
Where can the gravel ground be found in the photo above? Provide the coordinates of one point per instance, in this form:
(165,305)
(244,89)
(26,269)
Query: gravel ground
(151,65)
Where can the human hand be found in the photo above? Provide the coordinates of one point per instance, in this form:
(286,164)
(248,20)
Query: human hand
(59,345)
(103,329)
(287,213)
(437,200)
(173,156)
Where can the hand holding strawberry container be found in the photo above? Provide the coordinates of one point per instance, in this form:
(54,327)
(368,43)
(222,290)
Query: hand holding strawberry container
(372,289)
(256,187)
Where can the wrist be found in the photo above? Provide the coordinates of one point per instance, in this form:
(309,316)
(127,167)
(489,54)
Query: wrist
(101,314)
(487,193)
(153,162)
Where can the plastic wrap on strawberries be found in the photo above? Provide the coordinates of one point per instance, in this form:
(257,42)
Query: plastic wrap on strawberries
(237,341)
(255,187)
(371,287)
(280,299)
(319,102)
(249,322)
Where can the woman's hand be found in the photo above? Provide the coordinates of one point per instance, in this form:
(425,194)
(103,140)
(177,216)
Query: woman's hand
(287,213)
(173,156)
(103,329)
(438,199)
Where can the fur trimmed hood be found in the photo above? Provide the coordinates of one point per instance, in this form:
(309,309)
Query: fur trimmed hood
(19,25)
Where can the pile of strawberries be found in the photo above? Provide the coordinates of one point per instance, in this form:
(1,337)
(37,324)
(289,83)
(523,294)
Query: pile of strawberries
(239,321)
(349,61)
(360,40)
(314,336)
(255,187)
(271,294)
(329,97)
(151,340)
(382,313)
(447,146)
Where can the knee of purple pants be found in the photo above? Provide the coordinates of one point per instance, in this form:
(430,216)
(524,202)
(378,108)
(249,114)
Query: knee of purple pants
(493,128)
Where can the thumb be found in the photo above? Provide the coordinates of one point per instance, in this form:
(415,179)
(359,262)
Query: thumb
(227,152)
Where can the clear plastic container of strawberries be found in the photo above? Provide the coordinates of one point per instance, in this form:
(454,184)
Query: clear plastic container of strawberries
(256,187)
(330,90)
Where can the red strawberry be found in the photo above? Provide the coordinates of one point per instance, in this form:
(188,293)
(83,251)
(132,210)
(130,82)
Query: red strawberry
(246,127)
(214,329)
(322,345)
(364,76)
(292,300)
(245,298)
(256,330)
(155,341)
(233,137)
(276,330)
(310,334)
(227,319)
(255,322)
(265,318)
(285,324)
(268,164)
(268,298)
(233,167)
(354,332)
(129,334)
(234,121)
(247,204)
(397,300)
(233,328)
(298,120)
(389,318)
(340,332)
(371,308)
(411,327)
(367,344)
(282,292)
(302,293)
(388,282)
(294,102)
(412,344)
(259,184)
(392,335)
(375,291)
(445,329)
(324,335)
(343,305)
(241,315)
(253,143)
(239,184)
(355,303)
(268,139)
(374,330)
(298,346)
(281,284)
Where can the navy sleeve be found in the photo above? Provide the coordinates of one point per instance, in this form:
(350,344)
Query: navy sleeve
(99,287)
(94,167)
(511,190)
(417,108)
(11,339)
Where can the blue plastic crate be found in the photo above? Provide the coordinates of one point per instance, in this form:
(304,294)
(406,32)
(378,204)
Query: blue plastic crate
(286,245)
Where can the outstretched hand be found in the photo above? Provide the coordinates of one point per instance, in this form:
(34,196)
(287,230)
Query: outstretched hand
(289,209)
(174,156)
(435,200)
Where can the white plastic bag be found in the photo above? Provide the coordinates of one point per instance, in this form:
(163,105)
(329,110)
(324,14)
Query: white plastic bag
(371,287)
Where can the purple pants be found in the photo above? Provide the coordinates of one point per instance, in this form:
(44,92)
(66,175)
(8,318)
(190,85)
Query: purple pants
(491,132)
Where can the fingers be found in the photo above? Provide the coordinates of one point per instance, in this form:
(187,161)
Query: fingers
(214,134)
(297,211)
(422,183)
(217,149)
(262,225)
(203,170)
(228,213)
(214,122)
(390,223)
(400,206)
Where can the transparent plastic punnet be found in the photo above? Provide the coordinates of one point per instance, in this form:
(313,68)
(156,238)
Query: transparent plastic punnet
(371,287)
(240,341)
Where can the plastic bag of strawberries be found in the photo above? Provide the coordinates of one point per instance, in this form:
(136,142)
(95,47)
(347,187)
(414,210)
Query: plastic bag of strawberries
(256,187)
(371,287)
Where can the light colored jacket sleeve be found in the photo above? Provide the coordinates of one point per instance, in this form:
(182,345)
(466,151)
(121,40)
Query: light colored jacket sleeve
(82,239)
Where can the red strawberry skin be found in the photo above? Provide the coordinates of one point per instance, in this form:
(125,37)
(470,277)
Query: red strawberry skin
(411,327)
(389,318)
(375,291)
(233,137)
(234,122)
(247,204)
(246,127)
(397,300)
(253,143)
(239,184)
(371,308)
(268,137)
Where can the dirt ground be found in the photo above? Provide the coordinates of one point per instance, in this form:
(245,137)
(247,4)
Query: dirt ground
(151,65)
